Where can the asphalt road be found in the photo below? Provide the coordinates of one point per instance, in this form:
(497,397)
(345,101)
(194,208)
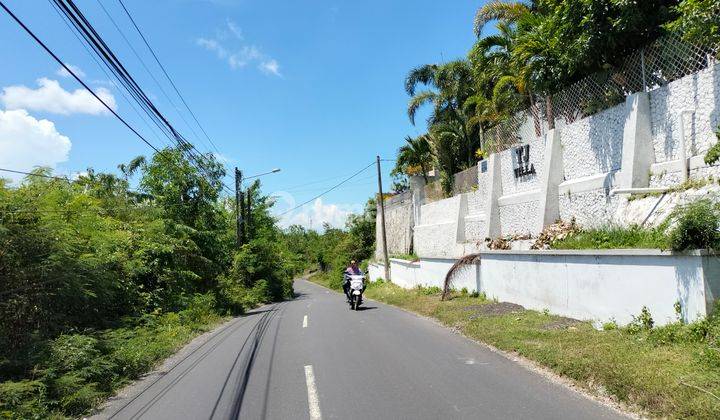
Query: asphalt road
(313,358)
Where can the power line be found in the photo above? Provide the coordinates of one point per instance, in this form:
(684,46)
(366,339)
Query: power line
(75,76)
(101,48)
(142,62)
(120,72)
(33,174)
(295,187)
(74,31)
(157,60)
(360,182)
(327,191)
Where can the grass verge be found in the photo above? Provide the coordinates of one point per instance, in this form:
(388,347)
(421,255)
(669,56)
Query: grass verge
(73,373)
(672,371)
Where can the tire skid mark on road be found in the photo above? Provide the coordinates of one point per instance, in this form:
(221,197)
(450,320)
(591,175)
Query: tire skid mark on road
(175,381)
(234,326)
(244,374)
(270,371)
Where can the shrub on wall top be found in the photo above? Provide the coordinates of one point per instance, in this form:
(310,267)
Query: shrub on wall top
(697,226)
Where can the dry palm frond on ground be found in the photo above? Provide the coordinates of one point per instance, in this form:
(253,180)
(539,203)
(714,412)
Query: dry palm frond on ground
(459,265)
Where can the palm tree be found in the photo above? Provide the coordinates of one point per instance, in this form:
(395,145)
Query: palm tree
(416,152)
(448,86)
(504,11)
(450,144)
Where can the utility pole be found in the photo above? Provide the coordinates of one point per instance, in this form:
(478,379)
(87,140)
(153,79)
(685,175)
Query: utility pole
(382,222)
(239,209)
(248,213)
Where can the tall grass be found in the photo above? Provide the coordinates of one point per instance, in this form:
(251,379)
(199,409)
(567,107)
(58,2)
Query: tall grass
(611,237)
(74,372)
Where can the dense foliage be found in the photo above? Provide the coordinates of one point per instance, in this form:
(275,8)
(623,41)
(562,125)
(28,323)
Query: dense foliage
(89,266)
(539,48)
(331,251)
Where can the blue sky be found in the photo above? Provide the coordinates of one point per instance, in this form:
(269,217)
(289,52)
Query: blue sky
(312,87)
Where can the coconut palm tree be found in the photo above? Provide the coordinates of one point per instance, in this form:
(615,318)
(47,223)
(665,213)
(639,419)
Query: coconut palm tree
(417,153)
(447,86)
(504,11)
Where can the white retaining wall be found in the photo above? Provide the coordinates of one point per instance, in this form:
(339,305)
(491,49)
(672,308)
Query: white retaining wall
(597,286)
(586,161)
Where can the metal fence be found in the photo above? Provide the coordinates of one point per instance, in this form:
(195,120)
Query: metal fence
(465,181)
(665,60)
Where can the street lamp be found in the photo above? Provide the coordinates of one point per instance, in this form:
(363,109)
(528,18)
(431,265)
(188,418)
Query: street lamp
(274,171)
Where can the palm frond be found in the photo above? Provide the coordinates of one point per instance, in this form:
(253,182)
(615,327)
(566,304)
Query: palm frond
(422,75)
(499,10)
(418,101)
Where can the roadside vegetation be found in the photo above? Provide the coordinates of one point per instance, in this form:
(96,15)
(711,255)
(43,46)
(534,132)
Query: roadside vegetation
(100,281)
(328,254)
(671,371)
(693,226)
(407,257)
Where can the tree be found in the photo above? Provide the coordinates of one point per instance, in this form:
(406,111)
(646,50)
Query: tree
(414,156)
(448,88)
(698,22)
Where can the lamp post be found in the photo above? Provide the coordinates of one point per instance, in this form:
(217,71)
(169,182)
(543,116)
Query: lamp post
(242,205)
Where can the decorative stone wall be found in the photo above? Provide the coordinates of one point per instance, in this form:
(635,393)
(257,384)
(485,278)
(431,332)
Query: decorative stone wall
(398,225)
(590,209)
(437,234)
(514,218)
(475,216)
(593,145)
(509,161)
(587,180)
(699,92)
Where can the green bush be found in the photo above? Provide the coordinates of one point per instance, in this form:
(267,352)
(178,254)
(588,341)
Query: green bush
(70,352)
(642,322)
(698,21)
(431,290)
(611,237)
(23,399)
(75,394)
(713,154)
(696,226)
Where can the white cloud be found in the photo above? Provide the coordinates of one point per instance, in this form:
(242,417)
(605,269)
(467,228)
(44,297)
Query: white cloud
(271,66)
(51,97)
(75,69)
(240,56)
(212,45)
(26,142)
(221,158)
(247,54)
(315,215)
(234,29)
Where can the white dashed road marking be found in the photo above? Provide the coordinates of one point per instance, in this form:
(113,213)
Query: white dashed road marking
(305,322)
(313,402)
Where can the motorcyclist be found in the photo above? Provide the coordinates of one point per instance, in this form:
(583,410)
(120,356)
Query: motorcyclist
(351,270)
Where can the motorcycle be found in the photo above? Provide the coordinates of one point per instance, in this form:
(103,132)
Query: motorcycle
(355,290)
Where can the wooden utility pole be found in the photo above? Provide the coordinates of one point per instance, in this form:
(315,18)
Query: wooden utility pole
(382,222)
(239,209)
(248,213)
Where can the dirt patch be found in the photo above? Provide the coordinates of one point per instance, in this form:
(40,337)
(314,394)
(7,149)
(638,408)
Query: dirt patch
(494,309)
(561,323)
